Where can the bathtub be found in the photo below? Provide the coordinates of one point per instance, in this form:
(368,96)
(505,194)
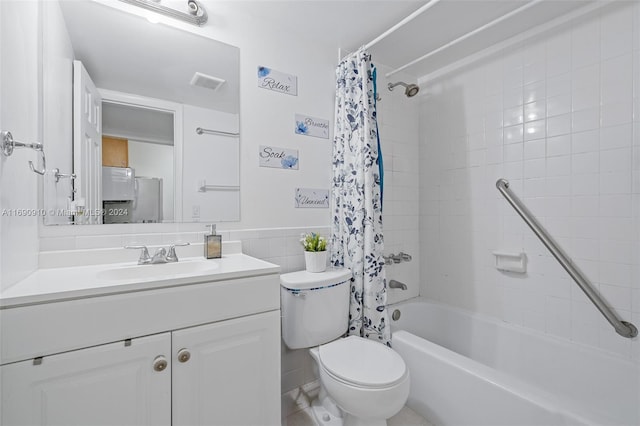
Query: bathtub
(467,369)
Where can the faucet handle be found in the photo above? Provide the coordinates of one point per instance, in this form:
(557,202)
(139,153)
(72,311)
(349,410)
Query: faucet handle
(144,254)
(172,256)
(405,257)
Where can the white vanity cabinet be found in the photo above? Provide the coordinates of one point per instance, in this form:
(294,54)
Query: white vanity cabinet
(109,384)
(203,353)
(224,373)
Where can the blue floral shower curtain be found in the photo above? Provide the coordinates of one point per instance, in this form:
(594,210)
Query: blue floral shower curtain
(357,241)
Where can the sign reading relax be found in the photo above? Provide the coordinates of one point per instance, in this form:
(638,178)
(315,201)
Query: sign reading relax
(277,81)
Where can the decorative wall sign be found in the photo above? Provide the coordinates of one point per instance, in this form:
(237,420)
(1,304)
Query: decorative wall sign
(311,126)
(277,81)
(279,158)
(309,198)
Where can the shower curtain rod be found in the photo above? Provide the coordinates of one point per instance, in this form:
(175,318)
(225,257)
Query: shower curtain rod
(400,24)
(464,37)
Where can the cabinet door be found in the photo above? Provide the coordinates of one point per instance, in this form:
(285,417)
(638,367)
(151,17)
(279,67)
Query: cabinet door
(232,375)
(109,384)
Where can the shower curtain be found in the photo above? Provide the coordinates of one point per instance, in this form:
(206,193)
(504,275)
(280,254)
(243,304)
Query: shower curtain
(357,241)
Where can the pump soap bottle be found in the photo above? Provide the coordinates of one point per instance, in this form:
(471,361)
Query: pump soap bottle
(212,244)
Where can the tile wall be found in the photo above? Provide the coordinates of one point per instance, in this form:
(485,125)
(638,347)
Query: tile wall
(398,126)
(559,117)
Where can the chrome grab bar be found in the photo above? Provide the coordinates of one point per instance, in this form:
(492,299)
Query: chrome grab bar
(623,328)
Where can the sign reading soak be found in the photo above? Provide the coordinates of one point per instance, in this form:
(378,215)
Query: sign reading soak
(277,81)
(309,198)
(279,158)
(311,126)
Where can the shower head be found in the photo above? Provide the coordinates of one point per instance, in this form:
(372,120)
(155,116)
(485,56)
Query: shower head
(410,90)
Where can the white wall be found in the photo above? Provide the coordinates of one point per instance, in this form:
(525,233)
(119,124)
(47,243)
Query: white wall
(19,114)
(559,117)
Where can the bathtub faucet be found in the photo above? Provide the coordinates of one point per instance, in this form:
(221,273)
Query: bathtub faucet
(397,258)
(397,284)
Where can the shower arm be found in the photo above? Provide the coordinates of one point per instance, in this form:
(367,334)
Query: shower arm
(623,328)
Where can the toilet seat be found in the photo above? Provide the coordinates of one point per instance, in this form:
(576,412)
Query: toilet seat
(361,362)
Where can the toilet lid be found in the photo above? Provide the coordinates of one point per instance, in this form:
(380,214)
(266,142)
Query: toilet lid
(362,362)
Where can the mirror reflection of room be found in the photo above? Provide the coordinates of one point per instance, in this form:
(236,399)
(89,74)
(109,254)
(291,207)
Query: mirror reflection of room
(137,164)
(126,122)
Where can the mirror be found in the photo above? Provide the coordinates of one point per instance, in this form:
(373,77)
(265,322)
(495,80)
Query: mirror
(123,98)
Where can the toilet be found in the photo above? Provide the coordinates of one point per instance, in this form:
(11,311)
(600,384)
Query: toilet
(362,382)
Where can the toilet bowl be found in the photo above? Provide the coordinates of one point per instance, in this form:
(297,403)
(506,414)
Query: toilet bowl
(362,382)
(368,381)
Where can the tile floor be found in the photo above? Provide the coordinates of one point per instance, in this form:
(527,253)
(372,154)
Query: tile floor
(406,417)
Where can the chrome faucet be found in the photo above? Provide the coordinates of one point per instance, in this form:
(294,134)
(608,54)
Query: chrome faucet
(160,256)
(144,259)
(397,258)
(171,255)
(397,284)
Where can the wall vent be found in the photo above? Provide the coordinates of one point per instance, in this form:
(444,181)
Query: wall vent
(207,81)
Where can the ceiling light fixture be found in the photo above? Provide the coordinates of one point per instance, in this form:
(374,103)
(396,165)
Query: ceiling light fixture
(196,14)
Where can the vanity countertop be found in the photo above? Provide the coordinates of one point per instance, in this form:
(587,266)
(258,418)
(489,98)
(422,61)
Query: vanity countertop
(56,284)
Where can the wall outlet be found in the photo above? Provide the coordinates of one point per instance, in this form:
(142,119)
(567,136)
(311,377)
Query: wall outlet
(195,211)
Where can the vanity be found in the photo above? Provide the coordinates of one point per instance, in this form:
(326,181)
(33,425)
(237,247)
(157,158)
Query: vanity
(191,343)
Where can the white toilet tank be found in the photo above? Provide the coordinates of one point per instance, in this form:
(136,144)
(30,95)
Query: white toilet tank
(315,306)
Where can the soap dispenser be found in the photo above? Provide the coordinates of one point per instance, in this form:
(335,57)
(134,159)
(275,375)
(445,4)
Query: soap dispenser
(212,244)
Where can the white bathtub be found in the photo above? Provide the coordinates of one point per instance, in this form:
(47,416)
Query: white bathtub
(467,369)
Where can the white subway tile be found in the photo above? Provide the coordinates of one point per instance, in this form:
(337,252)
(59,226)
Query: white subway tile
(618,251)
(587,119)
(587,162)
(559,166)
(616,137)
(584,206)
(535,168)
(585,77)
(512,97)
(558,105)
(585,40)
(512,116)
(617,113)
(513,134)
(615,206)
(558,186)
(513,152)
(585,184)
(583,142)
(585,97)
(615,274)
(616,296)
(616,31)
(558,125)
(534,91)
(559,53)
(559,85)
(534,149)
(615,183)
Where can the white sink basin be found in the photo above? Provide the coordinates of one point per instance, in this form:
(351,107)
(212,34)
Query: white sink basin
(160,270)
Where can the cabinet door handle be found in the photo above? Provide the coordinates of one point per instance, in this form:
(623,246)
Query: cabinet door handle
(160,363)
(184,355)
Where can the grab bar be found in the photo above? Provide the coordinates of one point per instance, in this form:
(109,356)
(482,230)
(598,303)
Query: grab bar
(623,328)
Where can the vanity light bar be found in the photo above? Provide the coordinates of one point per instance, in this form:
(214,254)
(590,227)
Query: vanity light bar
(197,14)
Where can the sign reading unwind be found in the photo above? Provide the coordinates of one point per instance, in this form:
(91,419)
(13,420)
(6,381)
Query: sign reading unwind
(277,81)
(309,198)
